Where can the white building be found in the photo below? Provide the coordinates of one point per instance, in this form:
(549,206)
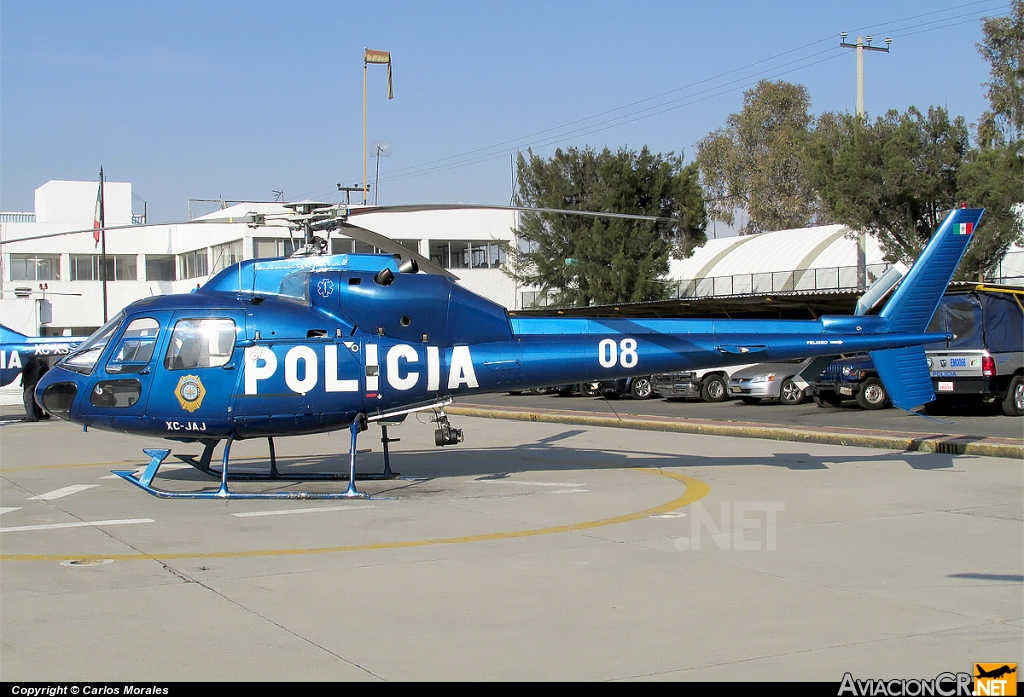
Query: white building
(52,285)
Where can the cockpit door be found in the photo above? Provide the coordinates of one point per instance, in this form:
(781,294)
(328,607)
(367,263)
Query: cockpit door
(196,374)
(119,386)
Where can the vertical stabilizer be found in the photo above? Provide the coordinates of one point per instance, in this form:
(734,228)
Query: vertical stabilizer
(904,371)
(9,336)
(912,305)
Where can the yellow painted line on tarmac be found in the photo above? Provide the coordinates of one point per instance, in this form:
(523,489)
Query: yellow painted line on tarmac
(695,490)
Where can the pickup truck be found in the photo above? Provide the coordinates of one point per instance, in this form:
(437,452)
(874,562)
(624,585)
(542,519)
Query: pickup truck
(985,359)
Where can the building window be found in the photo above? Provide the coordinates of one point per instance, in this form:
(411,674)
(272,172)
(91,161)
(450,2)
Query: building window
(466,254)
(35,267)
(160,267)
(265,248)
(193,264)
(439,253)
(120,267)
(344,245)
(224,255)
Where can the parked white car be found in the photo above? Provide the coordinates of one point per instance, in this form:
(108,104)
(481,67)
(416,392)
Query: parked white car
(779,380)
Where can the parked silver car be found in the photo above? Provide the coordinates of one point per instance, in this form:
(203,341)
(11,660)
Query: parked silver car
(779,380)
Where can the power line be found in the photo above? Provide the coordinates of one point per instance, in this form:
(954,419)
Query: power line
(576,128)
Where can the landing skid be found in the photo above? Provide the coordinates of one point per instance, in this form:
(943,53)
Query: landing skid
(157,455)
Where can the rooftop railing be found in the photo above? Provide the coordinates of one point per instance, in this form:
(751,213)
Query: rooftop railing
(828,278)
(17,217)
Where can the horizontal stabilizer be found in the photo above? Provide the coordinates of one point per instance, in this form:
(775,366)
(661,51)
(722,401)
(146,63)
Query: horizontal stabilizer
(905,374)
(815,368)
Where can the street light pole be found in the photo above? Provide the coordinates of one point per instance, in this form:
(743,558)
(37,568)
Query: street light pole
(372,56)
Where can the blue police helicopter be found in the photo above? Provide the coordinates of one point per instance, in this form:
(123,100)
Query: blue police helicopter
(16,350)
(315,343)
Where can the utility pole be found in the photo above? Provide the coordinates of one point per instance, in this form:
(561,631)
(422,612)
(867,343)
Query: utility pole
(862,266)
(861,47)
(349,189)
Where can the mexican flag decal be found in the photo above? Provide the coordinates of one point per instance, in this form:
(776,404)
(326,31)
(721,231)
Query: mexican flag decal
(966,228)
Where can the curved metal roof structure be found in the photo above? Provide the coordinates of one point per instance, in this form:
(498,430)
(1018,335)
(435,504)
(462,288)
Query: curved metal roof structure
(824,246)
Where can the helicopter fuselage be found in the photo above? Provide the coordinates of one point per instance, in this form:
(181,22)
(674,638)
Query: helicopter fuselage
(292,346)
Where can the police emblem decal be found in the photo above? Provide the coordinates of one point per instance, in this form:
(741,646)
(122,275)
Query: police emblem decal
(325,287)
(190,392)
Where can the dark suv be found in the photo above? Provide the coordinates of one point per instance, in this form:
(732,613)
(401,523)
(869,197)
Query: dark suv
(854,377)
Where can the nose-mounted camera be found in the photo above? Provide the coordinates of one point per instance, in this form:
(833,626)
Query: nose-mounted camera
(445,434)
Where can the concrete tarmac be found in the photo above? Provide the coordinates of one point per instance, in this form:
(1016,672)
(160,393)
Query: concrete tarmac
(533,551)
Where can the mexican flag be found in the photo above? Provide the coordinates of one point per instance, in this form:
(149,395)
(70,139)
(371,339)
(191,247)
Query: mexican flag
(97,219)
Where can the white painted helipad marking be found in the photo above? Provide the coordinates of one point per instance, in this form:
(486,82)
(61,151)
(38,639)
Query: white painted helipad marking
(61,493)
(93,524)
(516,481)
(8,510)
(255,514)
(139,470)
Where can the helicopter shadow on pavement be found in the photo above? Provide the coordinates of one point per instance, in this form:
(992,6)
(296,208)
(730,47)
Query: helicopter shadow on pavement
(549,454)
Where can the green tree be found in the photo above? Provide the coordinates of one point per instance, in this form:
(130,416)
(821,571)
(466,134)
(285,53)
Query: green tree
(993,176)
(993,179)
(582,260)
(1003,48)
(756,163)
(895,178)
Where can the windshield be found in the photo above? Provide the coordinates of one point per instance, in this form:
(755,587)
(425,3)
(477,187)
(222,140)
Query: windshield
(83,359)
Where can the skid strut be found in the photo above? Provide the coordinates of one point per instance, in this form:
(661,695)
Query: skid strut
(144,480)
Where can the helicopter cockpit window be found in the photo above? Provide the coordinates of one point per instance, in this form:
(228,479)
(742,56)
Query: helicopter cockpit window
(200,343)
(135,350)
(295,287)
(84,358)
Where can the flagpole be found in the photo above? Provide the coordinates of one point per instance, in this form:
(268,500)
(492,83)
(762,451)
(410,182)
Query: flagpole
(364,126)
(103,249)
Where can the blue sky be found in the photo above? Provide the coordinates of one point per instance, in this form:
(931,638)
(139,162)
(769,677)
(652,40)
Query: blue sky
(234,100)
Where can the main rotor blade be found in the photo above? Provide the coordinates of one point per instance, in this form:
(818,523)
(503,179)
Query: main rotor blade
(391,247)
(68,232)
(487,207)
(248,219)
